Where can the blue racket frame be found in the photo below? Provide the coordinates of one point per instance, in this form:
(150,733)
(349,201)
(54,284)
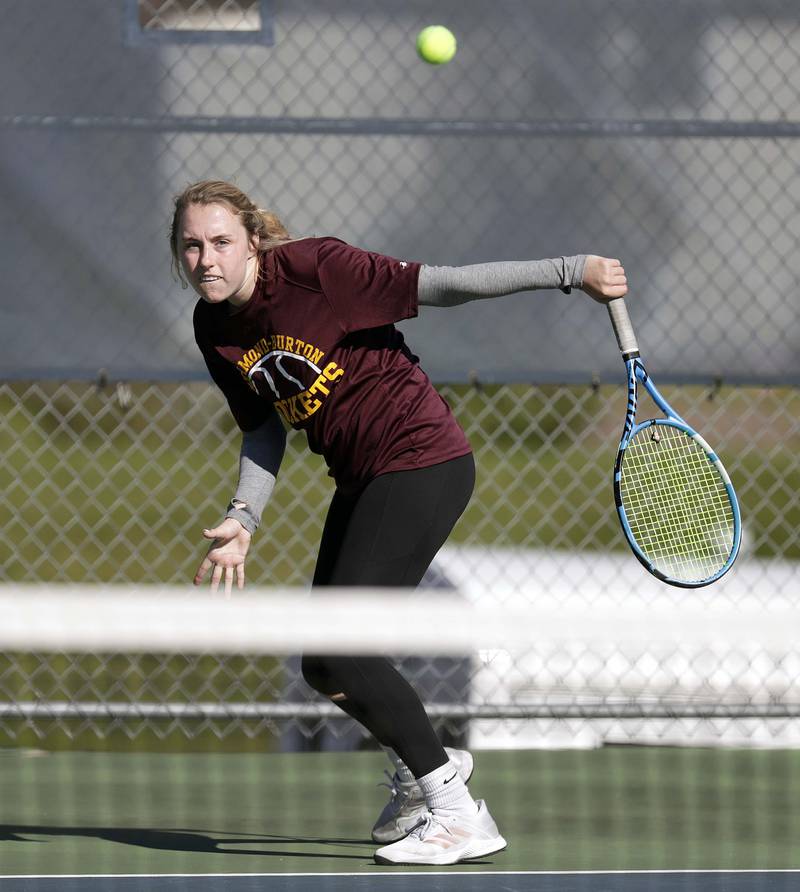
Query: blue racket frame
(638,373)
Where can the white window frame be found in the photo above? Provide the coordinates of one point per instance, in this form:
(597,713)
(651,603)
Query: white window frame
(135,35)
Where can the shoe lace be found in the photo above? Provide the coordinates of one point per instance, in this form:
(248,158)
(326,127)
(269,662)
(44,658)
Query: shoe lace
(427,825)
(401,792)
(393,785)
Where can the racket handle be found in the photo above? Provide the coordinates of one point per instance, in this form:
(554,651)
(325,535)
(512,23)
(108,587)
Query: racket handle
(621,322)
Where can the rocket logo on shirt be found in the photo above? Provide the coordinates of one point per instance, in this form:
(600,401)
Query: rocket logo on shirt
(289,372)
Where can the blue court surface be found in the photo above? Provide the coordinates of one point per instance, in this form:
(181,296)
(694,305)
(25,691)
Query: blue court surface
(453,880)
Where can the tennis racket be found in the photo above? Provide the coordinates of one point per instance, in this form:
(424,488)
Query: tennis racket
(674,498)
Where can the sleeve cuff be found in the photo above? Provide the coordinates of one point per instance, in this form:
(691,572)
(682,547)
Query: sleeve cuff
(244,517)
(572,272)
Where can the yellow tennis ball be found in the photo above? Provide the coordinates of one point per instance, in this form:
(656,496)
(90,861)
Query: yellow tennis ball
(436,44)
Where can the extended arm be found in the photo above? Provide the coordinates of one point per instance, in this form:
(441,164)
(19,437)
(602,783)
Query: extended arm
(260,457)
(259,460)
(447,286)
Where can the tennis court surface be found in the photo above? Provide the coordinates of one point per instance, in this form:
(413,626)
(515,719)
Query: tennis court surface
(614,818)
(721,881)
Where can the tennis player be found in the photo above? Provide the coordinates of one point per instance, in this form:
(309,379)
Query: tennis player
(300,333)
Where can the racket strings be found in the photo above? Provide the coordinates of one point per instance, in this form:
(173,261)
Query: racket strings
(676,503)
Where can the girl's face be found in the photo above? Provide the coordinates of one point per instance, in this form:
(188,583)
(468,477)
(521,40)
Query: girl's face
(218,257)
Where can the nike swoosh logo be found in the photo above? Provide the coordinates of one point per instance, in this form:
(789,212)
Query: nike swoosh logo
(447,781)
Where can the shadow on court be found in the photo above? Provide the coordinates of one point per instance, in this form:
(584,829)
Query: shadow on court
(185,840)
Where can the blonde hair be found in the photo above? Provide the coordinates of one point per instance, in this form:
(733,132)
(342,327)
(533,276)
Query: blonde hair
(261,225)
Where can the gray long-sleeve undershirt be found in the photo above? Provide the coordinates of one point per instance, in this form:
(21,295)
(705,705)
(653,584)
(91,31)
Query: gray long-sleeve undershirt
(259,459)
(439,286)
(448,286)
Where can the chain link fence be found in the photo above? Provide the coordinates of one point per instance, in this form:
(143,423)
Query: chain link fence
(663,133)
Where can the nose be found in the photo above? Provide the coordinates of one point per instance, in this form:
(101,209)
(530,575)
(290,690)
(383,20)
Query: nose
(205,261)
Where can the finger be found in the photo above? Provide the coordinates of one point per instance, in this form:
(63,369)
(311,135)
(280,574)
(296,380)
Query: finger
(240,575)
(228,582)
(204,567)
(615,276)
(216,576)
(211,534)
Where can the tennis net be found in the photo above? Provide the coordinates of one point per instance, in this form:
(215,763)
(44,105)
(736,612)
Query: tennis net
(164,731)
(104,660)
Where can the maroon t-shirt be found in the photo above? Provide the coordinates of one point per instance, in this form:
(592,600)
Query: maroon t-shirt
(317,342)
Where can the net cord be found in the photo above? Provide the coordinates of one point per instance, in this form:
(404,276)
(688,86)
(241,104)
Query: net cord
(287,621)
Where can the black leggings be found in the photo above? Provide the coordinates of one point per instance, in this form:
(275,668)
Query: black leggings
(387,535)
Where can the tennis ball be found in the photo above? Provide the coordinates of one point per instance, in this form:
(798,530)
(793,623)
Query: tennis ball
(436,44)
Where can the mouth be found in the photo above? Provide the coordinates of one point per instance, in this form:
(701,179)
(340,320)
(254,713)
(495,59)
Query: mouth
(207,280)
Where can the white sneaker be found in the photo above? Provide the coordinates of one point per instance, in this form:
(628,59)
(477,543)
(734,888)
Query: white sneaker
(446,839)
(406,808)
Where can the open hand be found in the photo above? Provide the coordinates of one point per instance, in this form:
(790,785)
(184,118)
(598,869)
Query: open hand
(226,555)
(604,279)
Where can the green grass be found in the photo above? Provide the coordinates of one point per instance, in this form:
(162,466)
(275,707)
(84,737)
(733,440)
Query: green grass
(105,492)
(610,809)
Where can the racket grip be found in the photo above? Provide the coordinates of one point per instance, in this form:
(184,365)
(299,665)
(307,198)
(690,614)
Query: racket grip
(623,329)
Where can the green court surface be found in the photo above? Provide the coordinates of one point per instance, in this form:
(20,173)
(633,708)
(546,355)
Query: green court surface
(612,809)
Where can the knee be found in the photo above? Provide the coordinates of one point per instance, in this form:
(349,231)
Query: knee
(317,673)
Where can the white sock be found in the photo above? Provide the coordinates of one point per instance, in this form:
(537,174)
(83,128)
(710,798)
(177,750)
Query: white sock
(446,792)
(400,766)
